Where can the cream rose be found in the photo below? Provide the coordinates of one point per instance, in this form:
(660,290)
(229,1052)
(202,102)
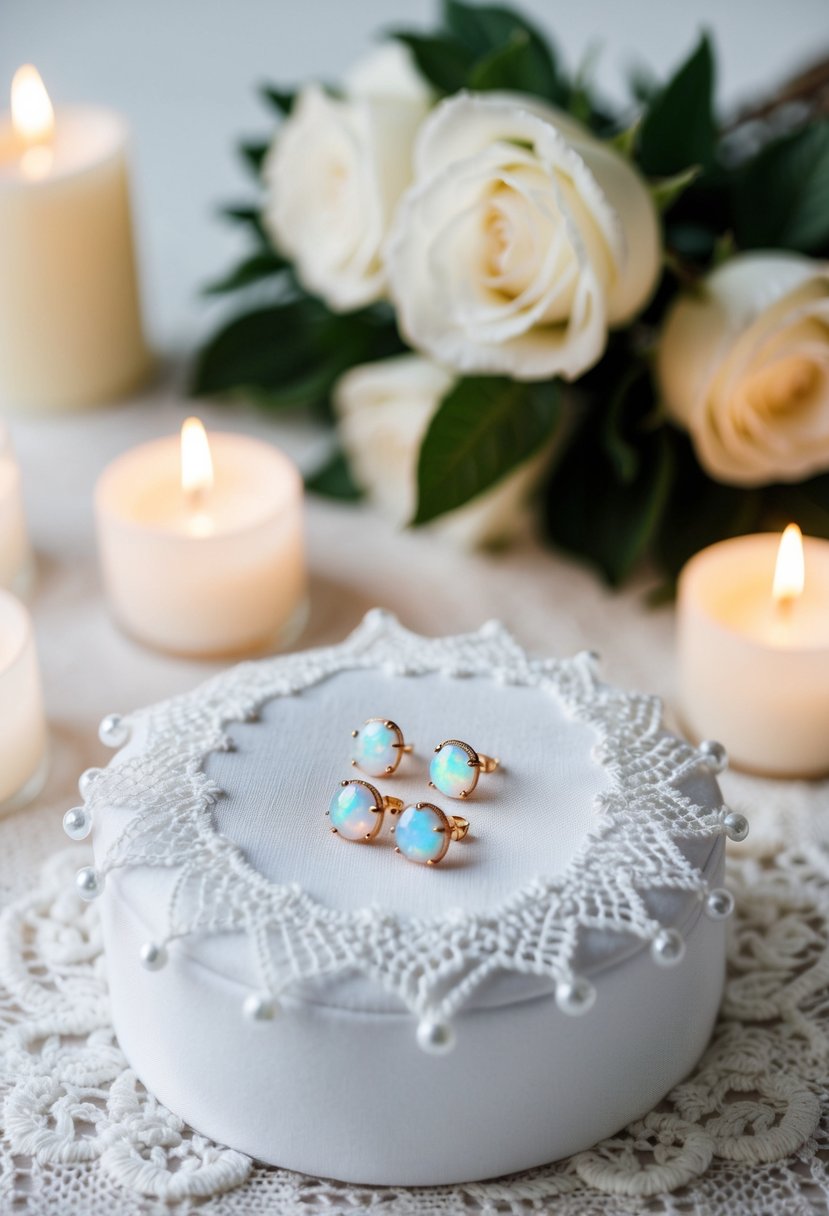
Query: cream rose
(384,409)
(520,242)
(744,367)
(334,174)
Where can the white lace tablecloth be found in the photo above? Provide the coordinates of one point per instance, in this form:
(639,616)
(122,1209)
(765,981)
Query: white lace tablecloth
(747,1133)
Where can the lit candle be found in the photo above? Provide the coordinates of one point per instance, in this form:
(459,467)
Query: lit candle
(753,619)
(201,543)
(15,555)
(23,737)
(70,325)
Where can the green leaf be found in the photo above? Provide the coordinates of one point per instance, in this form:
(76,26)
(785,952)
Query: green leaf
(502,68)
(334,479)
(678,127)
(621,450)
(280,99)
(510,52)
(254,269)
(700,511)
(642,83)
(665,191)
(484,28)
(292,352)
(781,197)
(606,499)
(253,154)
(268,348)
(484,428)
(444,62)
(249,217)
(624,142)
(518,66)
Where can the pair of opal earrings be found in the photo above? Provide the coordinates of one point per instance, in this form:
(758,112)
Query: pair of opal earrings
(423,832)
(455,768)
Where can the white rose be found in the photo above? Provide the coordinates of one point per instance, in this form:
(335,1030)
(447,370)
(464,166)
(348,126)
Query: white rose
(388,71)
(384,409)
(334,173)
(521,240)
(744,367)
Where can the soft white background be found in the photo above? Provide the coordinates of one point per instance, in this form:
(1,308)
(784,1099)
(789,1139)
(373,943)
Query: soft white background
(184,72)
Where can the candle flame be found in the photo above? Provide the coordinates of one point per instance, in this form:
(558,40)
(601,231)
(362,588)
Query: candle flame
(789,572)
(33,118)
(196,461)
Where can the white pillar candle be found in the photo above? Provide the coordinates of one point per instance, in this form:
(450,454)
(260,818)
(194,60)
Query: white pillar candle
(23,733)
(203,557)
(754,651)
(15,554)
(70,324)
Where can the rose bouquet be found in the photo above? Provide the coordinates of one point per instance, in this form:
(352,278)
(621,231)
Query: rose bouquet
(498,287)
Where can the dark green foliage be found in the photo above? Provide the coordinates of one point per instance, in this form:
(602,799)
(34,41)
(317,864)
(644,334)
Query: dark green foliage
(483,429)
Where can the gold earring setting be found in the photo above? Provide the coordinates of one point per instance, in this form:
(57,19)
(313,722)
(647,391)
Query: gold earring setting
(357,810)
(378,747)
(456,767)
(423,833)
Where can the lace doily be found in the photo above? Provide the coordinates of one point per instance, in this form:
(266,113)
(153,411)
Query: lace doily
(432,965)
(744,1135)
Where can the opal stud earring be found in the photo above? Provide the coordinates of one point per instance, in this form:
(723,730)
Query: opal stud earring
(378,747)
(356,810)
(456,767)
(423,833)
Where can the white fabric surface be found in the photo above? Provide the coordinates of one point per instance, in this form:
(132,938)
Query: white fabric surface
(526,819)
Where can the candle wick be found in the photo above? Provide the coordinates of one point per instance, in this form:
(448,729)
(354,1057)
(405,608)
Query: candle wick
(201,521)
(196,499)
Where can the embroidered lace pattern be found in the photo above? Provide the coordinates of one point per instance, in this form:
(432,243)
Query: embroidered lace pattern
(743,1136)
(432,966)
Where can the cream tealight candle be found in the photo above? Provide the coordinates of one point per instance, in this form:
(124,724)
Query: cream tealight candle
(753,624)
(23,734)
(201,543)
(15,554)
(70,324)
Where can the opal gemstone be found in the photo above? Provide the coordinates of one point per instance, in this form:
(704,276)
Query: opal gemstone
(416,837)
(450,773)
(351,811)
(374,750)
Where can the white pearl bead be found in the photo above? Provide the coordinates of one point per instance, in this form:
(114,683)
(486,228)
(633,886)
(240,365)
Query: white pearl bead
(436,1038)
(667,948)
(377,617)
(714,755)
(89,882)
(152,956)
(77,823)
(87,780)
(719,903)
(260,1007)
(736,826)
(575,996)
(113,731)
